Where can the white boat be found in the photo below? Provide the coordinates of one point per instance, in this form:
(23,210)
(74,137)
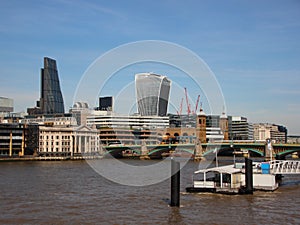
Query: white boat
(231,179)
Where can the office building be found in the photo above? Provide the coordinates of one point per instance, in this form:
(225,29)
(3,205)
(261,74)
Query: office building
(105,103)
(18,139)
(126,129)
(51,100)
(276,133)
(6,105)
(240,128)
(152,94)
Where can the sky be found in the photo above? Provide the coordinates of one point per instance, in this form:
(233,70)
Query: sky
(251,47)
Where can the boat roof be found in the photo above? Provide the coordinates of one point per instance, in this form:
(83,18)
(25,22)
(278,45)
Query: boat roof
(230,169)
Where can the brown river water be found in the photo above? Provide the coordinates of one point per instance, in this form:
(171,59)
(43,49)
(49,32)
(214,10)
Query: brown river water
(71,192)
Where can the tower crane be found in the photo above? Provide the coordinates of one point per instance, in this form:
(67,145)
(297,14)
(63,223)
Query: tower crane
(187,101)
(197,102)
(180,108)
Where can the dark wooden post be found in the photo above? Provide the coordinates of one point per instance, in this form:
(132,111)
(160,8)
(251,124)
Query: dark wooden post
(175,183)
(249,176)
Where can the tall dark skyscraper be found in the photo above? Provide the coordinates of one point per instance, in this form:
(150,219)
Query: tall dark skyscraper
(51,101)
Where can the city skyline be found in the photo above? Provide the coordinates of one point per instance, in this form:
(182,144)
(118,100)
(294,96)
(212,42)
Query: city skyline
(251,47)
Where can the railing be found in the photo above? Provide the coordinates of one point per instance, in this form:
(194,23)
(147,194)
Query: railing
(285,167)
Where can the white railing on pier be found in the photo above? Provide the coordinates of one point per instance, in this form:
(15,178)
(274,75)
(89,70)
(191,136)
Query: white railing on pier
(285,167)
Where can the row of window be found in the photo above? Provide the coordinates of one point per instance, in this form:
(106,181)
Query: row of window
(56,143)
(66,149)
(57,137)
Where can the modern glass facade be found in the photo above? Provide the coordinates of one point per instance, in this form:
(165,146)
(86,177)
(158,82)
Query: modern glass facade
(152,93)
(51,101)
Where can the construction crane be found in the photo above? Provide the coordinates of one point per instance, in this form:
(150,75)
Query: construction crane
(187,102)
(197,102)
(180,108)
(188,105)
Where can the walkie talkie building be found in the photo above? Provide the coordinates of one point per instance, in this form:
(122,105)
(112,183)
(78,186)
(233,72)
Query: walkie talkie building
(152,94)
(51,101)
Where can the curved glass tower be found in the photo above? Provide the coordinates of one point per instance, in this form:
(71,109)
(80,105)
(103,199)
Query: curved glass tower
(51,101)
(152,93)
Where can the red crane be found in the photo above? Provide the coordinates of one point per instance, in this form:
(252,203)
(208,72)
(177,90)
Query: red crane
(197,102)
(180,107)
(187,101)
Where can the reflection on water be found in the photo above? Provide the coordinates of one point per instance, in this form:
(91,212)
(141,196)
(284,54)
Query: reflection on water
(71,192)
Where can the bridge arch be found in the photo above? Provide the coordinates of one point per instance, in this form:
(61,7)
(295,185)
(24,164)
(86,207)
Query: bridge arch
(260,153)
(168,149)
(286,152)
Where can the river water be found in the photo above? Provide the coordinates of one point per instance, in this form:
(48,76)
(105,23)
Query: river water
(71,192)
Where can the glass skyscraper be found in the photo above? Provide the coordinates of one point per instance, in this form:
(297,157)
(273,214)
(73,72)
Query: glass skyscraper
(51,101)
(152,93)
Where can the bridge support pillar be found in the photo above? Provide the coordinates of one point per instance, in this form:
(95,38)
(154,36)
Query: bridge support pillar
(144,151)
(198,152)
(269,151)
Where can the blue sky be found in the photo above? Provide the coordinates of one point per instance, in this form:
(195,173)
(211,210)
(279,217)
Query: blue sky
(252,47)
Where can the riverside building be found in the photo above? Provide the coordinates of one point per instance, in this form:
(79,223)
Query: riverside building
(61,136)
(127,129)
(68,141)
(18,139)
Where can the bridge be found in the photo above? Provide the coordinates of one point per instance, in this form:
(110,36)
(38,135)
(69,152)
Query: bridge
(258,149)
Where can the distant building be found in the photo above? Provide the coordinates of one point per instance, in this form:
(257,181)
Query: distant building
(106,103)
(51,101)
(214,130)
(6,105)
(293,139)
(126,129)
(68,141)
(240,128)
(18,139)
(104,119)
(80,111)
(183,120)
(263,131)
(12,117)
(62,121)
(152,93)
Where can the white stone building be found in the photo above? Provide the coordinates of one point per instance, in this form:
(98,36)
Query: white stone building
(68,141)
